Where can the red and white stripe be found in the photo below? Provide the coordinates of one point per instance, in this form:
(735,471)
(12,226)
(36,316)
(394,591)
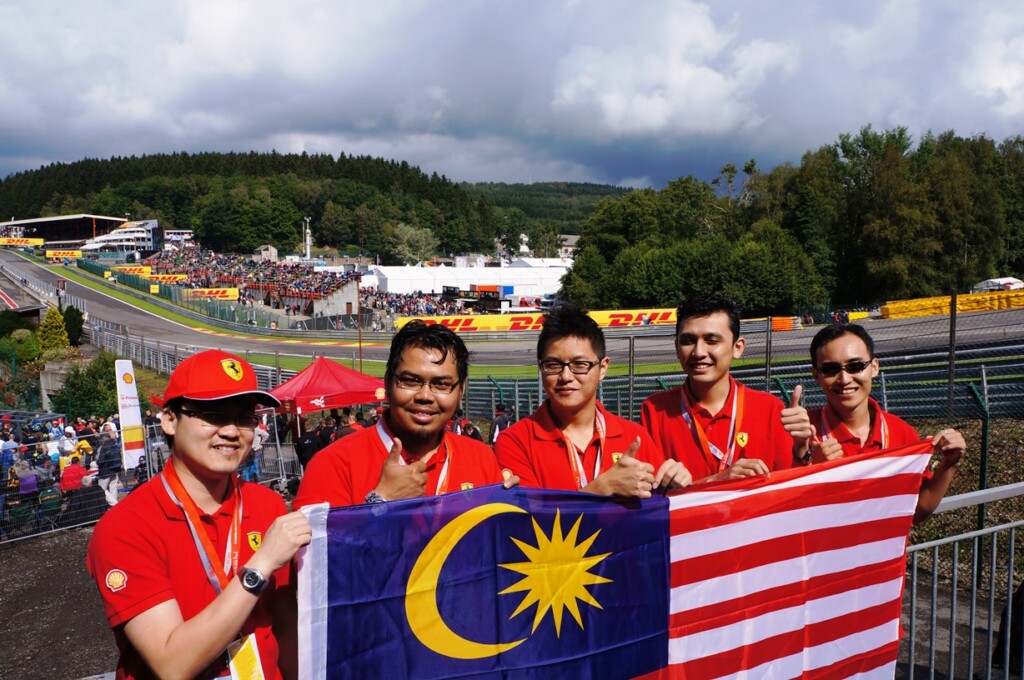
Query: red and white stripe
(799,575)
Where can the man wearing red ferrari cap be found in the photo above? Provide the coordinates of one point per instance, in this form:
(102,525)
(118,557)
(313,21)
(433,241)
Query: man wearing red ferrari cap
(193,567)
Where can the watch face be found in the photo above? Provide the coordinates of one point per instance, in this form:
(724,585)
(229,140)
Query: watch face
(251,580)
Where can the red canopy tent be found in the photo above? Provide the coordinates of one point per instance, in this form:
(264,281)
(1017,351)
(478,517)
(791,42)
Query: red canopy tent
(325,384)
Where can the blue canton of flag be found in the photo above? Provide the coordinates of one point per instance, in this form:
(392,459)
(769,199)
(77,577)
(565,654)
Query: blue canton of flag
(489,582)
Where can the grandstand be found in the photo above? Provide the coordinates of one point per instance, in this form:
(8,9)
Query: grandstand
(62,231)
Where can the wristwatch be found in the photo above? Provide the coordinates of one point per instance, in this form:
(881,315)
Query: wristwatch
(374,497)
(252,580)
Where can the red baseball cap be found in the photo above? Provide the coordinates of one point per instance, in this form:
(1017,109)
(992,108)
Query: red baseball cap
(214,374)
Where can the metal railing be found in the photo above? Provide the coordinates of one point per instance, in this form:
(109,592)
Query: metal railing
(960,599)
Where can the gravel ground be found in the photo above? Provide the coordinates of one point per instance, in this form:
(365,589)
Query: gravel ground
(51,617)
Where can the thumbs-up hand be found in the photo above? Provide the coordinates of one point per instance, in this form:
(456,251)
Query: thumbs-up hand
(627,477)
(797,423)
(825,450)
(398,480)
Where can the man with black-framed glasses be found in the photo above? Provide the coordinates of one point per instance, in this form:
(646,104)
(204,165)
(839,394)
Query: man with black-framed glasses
(194,566)
(571,441)
(409,452)
(844,365)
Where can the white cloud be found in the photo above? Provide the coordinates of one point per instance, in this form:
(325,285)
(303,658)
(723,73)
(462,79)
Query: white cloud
(602,90)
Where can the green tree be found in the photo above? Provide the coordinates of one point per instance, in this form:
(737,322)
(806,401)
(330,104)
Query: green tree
(10,321)
(52,333)
(89,388)
(73,323)
(407,244)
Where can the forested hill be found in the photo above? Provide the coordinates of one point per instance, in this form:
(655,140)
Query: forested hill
(236,202)
(564,204)
(871,217)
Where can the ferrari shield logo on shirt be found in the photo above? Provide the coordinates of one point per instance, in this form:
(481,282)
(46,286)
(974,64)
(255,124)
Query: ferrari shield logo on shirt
(466,486)
(116,580)
(255,539)
(741,439)
(232,369)
(615,457)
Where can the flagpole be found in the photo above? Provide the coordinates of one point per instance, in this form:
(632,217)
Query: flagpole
(359,320)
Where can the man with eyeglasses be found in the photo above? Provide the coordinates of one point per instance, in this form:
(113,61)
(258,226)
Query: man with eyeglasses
(193,567)
(409,452)
(844,365)
(571,441)
(713,424)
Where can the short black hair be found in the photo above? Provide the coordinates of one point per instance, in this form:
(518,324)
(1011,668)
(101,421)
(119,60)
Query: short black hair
(706,305)
(834,332)
(428,336)
(570,321)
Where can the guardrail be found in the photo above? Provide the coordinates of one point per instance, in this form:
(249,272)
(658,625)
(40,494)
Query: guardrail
(959,592)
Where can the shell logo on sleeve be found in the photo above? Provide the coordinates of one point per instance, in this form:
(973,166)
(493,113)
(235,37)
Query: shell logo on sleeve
(116,580)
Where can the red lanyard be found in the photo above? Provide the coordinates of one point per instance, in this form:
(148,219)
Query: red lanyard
(709,450)
(883,426)
(442,481)
(218,572)
(579,475)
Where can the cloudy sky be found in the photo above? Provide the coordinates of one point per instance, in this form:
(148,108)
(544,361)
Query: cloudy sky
(632,92)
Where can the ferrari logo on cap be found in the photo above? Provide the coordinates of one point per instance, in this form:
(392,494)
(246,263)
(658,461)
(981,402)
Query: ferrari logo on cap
(255,539)
(741,438)
(232,369)
(116,580)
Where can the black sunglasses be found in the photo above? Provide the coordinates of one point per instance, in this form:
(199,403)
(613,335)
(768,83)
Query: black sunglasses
(832,369)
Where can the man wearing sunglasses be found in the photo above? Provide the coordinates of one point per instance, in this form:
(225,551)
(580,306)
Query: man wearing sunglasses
(713,424)
(571,442)
(193,567)
(844,365)
(409,452)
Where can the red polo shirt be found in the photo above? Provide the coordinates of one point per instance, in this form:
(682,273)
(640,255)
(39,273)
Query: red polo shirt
(348,469)
(900,431)
(141,554)
(761,428)
(535,450)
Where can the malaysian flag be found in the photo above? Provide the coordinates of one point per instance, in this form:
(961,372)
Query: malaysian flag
(796,575)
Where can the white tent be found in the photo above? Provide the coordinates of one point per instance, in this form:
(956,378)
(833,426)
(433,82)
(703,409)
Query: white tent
(530,281)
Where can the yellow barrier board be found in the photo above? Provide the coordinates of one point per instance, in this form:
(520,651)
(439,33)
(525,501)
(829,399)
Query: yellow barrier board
(138,270)
(534,321)
(934,306)
(214,293)
(168,278)
(21,241)
(60,254)
(154,288)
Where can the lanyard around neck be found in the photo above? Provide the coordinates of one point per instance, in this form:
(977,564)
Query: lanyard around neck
(575,463)
(883,425)
(711,452)
(218,572)
(442,481)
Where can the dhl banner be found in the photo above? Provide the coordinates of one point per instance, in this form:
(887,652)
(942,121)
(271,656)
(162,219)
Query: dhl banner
(534,321)
(21,241)
(215,293)
(168,278)
(623,318)
(138,270)
(60,254)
